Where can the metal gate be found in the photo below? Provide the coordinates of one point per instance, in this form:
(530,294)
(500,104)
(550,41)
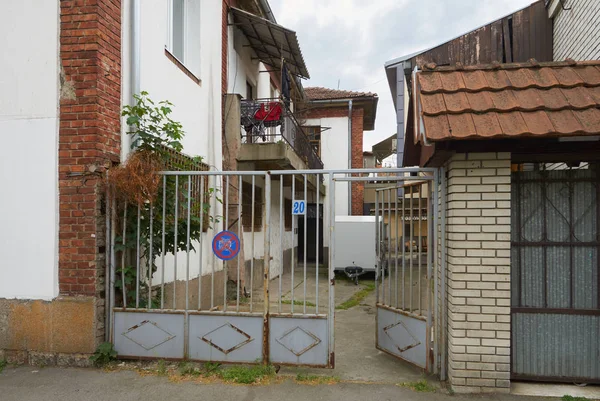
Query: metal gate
(210,269)
(407,239)
(555,276)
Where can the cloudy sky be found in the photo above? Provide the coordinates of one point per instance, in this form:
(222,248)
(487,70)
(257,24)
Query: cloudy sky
(350,40)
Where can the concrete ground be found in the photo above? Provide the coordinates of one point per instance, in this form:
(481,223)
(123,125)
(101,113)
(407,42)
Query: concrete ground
(70,384)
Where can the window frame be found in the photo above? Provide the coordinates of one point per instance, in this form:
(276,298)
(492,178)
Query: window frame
(182,62)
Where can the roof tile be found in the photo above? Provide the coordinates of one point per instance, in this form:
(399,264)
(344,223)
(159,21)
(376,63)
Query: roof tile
(511,100)
(497,79)
(487,125)
(320,93)
(566,76)
(452,81)
(474,80)
(589,119)
(589,74)
(538,123)
(512,123)
(433,104)
(437,127)
(456,102)
(579,97)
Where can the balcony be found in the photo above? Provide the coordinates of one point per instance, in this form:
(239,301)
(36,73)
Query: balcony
(272,137)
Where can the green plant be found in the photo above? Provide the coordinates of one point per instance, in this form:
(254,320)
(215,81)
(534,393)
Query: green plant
(143,192)
(105,353)
(297,303)
(247,374)
(188,369)
(211,367)
(3,363)
(357,297)
(161,369)
(567,397)
(421,386)
(315,379)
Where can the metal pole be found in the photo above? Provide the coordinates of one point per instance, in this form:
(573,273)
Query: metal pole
(240,236)
(305,230)
(378,247)
(187,243)
(175,242)
(252,244)
(403,248)
(150,255)
(123,257)
(200,246)
(293,238)
(410,244)
(443,273)
(137,262)
(317,247)
(225,264)
(420,248)
(389,248)
(397,244)
(162,255)
(113,263)
(436,267)
(281,224)
(267,265)
(107,265)
(331,317)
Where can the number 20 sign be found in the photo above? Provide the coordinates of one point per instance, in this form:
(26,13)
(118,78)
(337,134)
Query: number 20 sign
(299,207)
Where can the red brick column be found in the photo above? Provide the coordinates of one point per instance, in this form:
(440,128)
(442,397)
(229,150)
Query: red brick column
(358,188)
(89,135)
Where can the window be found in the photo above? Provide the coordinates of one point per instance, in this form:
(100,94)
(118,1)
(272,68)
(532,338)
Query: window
(248,203)
(183,34)
(314,138)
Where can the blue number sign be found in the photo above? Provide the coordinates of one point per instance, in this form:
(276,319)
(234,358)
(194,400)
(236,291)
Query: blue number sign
(226,245)
(299,207)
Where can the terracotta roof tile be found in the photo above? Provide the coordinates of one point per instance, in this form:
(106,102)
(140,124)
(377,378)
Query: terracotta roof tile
(320,93)
(510,100)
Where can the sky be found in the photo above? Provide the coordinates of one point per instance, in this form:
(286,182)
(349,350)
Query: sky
(349,41)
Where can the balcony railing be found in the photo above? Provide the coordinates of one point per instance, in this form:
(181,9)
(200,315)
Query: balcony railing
(271,121)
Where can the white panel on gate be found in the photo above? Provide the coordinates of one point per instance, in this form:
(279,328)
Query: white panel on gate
(299,341)
(146,334)
(225,338)
(402,336)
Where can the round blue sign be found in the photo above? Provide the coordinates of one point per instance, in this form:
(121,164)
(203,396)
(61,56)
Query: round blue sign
(226,245)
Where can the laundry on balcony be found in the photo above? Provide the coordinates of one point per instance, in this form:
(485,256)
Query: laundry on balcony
(257,116)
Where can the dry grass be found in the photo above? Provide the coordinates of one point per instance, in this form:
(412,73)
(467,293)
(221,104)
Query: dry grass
(137,180)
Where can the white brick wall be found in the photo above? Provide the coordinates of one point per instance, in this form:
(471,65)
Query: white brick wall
(577,31)
(478,264)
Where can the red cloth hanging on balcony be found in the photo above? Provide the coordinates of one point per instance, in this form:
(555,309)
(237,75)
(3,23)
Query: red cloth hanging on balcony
(272,112)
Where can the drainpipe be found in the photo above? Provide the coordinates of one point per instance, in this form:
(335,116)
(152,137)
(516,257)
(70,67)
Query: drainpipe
(265,6)
(136,38)
(350,156)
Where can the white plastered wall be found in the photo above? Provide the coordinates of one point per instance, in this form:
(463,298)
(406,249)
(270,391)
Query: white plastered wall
(196,106)
(29,101)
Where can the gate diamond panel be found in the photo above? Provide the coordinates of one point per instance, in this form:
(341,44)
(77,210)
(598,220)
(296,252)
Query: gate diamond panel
(148,335)
(298,340)
(227,338)
(401,336)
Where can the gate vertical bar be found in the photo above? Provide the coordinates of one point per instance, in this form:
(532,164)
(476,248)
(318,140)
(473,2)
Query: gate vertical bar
(397,243)
(378,247)
(281,224)
(200,255)
(176,224)
(241,237)
(304,242)
(225,264)
(430,254)
(403,247)
(382,247)
(331,286)
(107,252)
(318,183)
(113,263)
(213,258)
(420,247)
(267,265)
(293,239)
(137,260)
(252,245)
(123,257)
(162,255)
(389,247)
(443,273)
(150,256)
(186,322)
(410,244)
(436,267)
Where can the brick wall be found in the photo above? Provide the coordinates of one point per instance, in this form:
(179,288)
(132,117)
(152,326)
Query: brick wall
(478,263)
(356,145)
(89,135)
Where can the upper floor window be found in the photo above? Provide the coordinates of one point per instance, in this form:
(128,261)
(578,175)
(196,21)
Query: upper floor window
(183,33)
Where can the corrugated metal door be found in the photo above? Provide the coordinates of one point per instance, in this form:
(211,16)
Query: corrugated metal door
(555,276)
